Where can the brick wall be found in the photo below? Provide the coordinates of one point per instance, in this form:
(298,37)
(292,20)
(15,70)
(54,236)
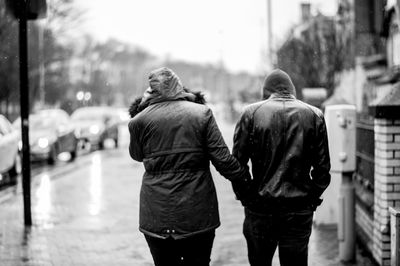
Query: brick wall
(387,184)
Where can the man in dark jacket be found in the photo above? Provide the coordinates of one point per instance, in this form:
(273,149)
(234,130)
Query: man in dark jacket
(284,138)
(175,135)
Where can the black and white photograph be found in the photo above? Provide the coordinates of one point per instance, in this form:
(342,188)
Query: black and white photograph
(200,133)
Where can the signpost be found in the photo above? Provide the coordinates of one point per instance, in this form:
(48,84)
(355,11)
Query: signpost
(24,10)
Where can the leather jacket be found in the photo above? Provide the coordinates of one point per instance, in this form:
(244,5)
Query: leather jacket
(286,141)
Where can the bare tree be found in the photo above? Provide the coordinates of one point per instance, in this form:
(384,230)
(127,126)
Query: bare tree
(313,56)
(9,82)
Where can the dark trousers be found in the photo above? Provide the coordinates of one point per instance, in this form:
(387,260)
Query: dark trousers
(191,251)
(289,231)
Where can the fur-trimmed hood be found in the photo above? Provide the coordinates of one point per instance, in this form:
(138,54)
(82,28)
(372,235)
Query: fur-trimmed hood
(139,104)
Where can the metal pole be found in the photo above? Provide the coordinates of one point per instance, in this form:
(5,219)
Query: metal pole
(24,101)
(41,63)
(394,236)
(269,26)
(346,226)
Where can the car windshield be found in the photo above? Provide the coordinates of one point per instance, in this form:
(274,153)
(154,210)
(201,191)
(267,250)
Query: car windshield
(37,123)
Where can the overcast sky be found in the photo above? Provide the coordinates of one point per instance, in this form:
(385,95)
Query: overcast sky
(232,31)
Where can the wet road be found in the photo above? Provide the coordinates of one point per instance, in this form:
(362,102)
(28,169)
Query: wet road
(86,213)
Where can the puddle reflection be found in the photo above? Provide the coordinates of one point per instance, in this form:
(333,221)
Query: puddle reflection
(95,185)
(43,206)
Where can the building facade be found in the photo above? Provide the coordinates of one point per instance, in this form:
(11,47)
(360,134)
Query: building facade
(370,79)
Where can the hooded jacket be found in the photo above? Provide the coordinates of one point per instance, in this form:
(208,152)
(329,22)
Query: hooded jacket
(284,138)
(176,137)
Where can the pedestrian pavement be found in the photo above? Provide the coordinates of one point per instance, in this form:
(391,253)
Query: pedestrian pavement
(86,213)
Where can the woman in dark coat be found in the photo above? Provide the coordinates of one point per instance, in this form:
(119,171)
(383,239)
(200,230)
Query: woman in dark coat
(175,135)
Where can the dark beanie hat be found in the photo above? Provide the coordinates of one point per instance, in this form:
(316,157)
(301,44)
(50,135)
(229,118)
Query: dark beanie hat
(279,82)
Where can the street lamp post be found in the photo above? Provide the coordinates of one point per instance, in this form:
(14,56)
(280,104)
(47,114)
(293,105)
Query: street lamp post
(269,27)
(24,100)
(25,10)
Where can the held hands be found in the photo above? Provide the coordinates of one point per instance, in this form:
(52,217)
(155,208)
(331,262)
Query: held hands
(315,203)
(245,191)
(241,188)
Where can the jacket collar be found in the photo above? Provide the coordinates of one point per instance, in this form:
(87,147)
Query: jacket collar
(153,99)
(282,96)
(139,104)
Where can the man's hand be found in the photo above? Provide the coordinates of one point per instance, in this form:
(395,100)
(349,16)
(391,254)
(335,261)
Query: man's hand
(315,203)
(245,192)
(241,188)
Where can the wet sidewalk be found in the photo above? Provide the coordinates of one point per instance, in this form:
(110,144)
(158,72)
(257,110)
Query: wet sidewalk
(87,215)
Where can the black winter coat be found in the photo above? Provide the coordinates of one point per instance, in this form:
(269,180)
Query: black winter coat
(284,138)
(176,139)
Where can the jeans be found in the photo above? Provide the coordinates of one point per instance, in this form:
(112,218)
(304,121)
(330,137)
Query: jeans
(289,231)
(191,251)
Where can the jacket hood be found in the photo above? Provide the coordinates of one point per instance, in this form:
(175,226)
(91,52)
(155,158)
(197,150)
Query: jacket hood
(139,104)
(278,82)
(165,82)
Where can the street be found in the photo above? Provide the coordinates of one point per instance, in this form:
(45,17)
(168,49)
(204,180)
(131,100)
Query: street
(86,213)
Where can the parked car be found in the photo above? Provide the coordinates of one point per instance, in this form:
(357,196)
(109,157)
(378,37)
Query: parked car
(51,133)
(9,156)
(96,124)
